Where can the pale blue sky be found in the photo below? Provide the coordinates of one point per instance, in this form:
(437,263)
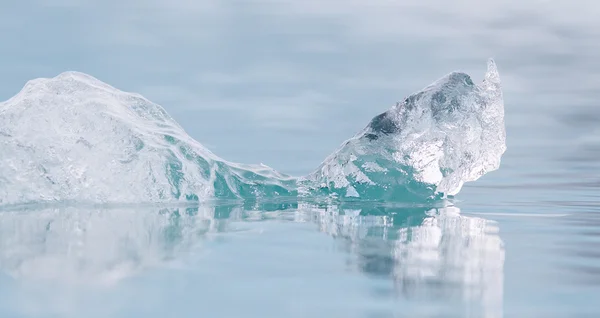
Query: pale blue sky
(284,82)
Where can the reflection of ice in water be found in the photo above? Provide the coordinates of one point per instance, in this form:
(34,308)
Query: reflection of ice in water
(453,250)
(91,246)
(102,246)
(435,253)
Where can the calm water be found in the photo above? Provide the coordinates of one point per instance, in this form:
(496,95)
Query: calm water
(284,83)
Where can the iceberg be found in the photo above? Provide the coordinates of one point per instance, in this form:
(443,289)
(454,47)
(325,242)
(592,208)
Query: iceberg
(73,138)
(426,146)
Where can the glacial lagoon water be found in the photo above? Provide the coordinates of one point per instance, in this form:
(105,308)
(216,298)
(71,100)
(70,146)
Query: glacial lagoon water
(503,249)
(520,242)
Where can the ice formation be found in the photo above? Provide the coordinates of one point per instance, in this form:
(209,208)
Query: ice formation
(426,146)
(74,138)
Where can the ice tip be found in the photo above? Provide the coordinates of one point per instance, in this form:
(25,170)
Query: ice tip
(491,65)
(492,72)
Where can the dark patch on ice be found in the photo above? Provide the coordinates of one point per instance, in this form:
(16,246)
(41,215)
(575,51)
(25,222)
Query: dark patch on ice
(384,124)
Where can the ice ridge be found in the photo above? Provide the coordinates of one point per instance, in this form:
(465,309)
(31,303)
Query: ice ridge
(75,138)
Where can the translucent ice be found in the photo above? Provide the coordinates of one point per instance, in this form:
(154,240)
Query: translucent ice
(426,146)
(74,138)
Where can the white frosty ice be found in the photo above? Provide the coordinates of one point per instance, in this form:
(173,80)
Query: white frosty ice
(75,138)
(428,145)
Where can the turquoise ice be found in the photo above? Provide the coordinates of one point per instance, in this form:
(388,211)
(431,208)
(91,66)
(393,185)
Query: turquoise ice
(73,138)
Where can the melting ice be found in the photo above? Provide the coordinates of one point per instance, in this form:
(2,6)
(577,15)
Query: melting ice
(75,138)
(430,144)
